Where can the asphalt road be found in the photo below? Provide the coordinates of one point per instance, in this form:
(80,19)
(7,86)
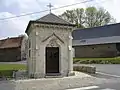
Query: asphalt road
(108,86)
(113,69)
(112,86)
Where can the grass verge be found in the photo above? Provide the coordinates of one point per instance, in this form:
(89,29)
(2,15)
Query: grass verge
(6,70)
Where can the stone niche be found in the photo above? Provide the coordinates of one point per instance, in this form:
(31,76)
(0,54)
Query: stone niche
(49,49)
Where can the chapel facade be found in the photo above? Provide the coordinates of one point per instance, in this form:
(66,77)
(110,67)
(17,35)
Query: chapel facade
(49,51)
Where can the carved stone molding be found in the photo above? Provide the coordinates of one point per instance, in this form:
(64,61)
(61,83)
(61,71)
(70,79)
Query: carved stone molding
(53,26)
(53,43)
(52,36)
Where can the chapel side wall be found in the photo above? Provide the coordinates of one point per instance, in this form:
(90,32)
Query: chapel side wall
(63,34)
(32,58)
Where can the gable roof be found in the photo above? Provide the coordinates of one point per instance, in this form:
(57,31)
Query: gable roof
(11,42)
(50,19)
(97,35)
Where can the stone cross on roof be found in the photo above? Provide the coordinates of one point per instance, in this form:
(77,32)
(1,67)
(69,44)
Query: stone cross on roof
(50,6)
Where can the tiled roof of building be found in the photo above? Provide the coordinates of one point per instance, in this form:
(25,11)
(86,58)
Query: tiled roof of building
(11,42)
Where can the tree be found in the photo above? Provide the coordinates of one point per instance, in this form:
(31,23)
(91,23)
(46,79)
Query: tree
(89,17)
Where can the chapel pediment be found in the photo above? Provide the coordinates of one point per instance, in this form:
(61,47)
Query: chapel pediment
(53,37)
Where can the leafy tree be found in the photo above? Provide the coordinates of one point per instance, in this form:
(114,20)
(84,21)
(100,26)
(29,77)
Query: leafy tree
(89,17)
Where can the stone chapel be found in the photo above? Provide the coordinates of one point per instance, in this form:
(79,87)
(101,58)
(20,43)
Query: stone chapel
(49,49)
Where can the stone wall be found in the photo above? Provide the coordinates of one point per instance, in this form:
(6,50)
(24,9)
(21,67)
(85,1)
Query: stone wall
(31,52)
(85,68)
(102,50)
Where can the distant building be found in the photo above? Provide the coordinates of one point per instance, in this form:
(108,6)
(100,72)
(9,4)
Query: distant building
(12,49)
(103,41)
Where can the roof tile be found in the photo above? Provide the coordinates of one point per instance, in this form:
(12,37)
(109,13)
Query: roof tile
(11,42)
(51,18)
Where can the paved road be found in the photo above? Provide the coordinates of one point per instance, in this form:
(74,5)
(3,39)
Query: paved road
(113,84)
(108,86)
(113,69)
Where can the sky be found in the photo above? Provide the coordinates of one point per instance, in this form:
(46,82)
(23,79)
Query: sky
(17,26)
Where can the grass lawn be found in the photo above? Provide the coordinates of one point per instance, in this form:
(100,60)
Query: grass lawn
(6,70)
(12,67)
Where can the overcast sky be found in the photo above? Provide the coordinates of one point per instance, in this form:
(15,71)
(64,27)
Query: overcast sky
(17,26)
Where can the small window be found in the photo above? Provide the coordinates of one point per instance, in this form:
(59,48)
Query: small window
(29,44)
(82,40)
(29,53)
(29,48)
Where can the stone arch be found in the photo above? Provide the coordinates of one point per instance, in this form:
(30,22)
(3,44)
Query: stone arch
(52,60)
(52,41)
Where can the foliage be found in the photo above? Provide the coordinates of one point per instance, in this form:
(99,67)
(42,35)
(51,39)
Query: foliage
(89,17)
(97,60)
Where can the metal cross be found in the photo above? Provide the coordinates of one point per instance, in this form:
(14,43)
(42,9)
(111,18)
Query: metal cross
(50,6)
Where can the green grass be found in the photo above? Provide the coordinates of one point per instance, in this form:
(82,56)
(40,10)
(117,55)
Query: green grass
(115,60)
(6,70)
(12,67)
